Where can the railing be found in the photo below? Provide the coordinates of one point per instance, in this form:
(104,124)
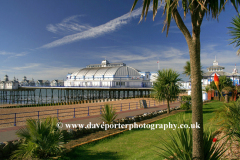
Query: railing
(19,118)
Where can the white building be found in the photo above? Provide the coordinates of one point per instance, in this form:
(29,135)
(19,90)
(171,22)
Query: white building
(107,75)
(208,77)
(26,82)
(185,85)
(42,83)
(151,75)
(6,84)
(57,83)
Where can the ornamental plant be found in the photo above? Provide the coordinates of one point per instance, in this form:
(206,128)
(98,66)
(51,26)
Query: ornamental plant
(227,118)
(180,145)
(41,139)
(108,114)
(186,102)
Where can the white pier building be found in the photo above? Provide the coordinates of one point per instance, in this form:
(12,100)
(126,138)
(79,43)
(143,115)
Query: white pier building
(113,75)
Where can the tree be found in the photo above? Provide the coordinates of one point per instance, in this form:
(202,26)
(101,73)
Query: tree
(197,10)
(187,69)
(165,87)
(235,32)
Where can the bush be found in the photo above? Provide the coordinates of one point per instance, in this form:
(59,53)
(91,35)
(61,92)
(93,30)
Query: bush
(41,139)
(228,119)
(186,103)
(186,98)
(108,114)
(180,144)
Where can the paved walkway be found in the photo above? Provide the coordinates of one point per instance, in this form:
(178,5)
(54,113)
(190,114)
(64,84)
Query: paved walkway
(8,134)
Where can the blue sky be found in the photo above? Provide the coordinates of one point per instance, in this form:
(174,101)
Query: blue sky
(47,39)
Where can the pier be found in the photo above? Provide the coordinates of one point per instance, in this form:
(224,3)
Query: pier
(45,95)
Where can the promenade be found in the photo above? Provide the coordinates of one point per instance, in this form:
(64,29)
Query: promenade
(8,133)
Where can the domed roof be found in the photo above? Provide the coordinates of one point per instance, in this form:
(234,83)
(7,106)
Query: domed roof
(116,71)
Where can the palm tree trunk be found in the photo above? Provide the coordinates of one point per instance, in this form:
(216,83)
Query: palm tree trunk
(197,115)
(196,95)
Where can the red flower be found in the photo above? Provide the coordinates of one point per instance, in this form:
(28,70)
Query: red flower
(214,140)
(216,80)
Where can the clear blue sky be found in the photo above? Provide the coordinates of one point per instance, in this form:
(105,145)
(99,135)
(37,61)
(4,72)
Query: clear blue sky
(47,39)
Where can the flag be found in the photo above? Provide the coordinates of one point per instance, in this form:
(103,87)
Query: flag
(216,81)
(157,61)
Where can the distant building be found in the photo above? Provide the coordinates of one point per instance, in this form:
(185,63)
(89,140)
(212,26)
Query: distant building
(152,76)
(107,75)
(26,82)
(219,70)
(32,82)
(184,85)
(57,83)
(42,83)
(6,84)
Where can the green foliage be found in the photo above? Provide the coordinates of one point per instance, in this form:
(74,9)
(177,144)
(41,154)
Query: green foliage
(41,139)
(228,119)
(235,32)
(200,7)
(226,90)
(207,88)
(223,82)
(186,98)
(186,103)
(187,69)
(108,114)
(180,144)
(165,87)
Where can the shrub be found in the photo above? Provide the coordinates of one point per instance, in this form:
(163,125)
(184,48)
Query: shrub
(41,139)
(108,114)
(186,98)
(186,103)
(228,119)
(180,144)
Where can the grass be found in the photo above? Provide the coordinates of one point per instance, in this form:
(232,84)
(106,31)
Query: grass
(137,143)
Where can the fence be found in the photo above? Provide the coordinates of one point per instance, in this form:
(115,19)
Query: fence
(14,119)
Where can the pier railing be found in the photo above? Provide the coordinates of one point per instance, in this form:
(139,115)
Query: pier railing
(19,118)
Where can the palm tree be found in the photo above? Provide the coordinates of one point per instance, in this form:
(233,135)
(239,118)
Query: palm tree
(108,114)
(187,69)
(197,10)
(235,32)
(41,139)
(165,87)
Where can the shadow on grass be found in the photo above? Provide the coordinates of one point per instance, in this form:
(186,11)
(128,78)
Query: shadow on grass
(81,153)
(203,111)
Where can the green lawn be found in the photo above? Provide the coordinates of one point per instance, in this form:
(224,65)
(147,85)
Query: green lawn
(135,144)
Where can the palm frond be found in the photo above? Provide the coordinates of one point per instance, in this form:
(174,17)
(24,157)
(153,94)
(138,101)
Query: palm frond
(108,114)
(179,144)
(41,138)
